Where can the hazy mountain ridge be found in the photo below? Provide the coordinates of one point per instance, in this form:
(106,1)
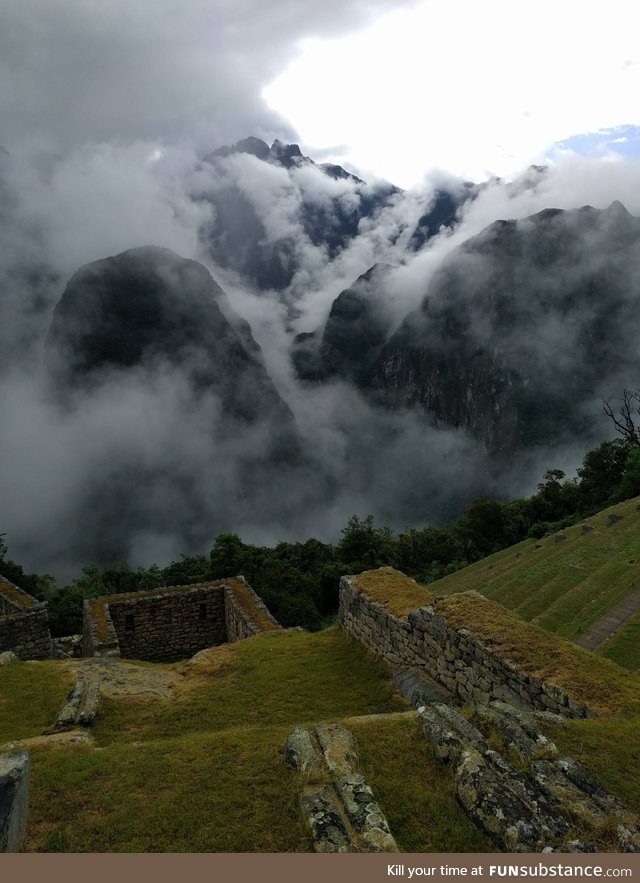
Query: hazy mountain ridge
(520,328)
(327,203)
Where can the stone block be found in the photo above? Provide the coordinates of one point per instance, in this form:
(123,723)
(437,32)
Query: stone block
(14,799)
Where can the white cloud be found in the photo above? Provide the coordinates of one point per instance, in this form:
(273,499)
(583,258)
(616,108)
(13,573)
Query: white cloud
(473,88)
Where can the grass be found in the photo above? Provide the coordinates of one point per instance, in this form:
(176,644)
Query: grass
(623,646)
(278,678)
(16,596)
(247,602)
(31,694)
(610,749)
(206,773)
(565,587)
(597,683)
(422,813)
(223,792)
(393,590)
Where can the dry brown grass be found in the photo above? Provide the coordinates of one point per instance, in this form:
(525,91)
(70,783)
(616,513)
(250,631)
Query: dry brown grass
(247,602)
(595,682)
(16,596)
(396,592)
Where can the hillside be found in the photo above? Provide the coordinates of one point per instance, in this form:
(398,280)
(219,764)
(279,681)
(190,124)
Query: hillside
(567,582)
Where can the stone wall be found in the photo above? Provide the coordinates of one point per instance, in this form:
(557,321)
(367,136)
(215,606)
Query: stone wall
(464,665)
(14,799)
(246,614)
(174,622)
(24,623)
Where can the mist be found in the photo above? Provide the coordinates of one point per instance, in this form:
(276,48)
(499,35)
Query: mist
(136,469)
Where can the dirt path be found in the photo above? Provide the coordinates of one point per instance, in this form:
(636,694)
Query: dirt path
(610,623)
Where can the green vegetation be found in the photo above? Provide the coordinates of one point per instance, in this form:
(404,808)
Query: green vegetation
(566,585)
(415,790)
(595,682)
(609,747)
(397,593)
(283,678)
(623,646)
(30,697)
(206,770)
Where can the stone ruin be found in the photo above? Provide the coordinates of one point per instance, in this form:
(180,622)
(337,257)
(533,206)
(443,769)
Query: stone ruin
(172,623)
(24,623)
(161,625)
(480,713)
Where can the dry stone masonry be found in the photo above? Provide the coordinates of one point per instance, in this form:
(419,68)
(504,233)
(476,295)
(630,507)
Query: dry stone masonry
(464,665)
(171,623)
(24,623)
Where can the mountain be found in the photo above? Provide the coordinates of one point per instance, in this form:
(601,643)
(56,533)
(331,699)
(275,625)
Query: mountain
(149,330)
(146,307)
(355,330)
(323,202)
(263,215)
(521,331)
(521,328)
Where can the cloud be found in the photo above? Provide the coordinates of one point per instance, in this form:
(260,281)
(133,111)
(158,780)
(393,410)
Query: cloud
(142,440)
(470,87)
(154,69)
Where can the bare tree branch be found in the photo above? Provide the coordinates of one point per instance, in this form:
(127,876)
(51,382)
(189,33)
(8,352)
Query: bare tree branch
(623,417)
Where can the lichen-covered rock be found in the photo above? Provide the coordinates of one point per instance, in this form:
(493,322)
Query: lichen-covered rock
(503,805)
(365,814)
(628,838)
(338,749)
(583,780)
(68,715)
(449,733)
(301,752)
(577,846)
(419,689)
(89,704)
(321,811)
(518,732)
(8,657)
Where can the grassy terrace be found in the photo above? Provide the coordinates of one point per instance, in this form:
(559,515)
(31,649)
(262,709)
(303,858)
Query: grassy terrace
(206,771)
(565,587)
(598,683)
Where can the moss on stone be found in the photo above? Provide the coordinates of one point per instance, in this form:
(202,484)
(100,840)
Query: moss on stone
(15,595)
(393,590)
(248,604)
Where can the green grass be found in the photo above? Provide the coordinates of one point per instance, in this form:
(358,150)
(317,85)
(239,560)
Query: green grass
(31,694)
(281,678)
(601,685)
(623,646)
(565,587)
(223,792)
(393,590)
(207,773)
(610,749)
(415,791)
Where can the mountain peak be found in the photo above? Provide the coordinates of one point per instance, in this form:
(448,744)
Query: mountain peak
(618,209)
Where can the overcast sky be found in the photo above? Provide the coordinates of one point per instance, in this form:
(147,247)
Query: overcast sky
(394,88)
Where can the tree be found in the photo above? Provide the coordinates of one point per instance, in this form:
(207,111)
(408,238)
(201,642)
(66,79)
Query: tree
(624,417)
(601,471)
